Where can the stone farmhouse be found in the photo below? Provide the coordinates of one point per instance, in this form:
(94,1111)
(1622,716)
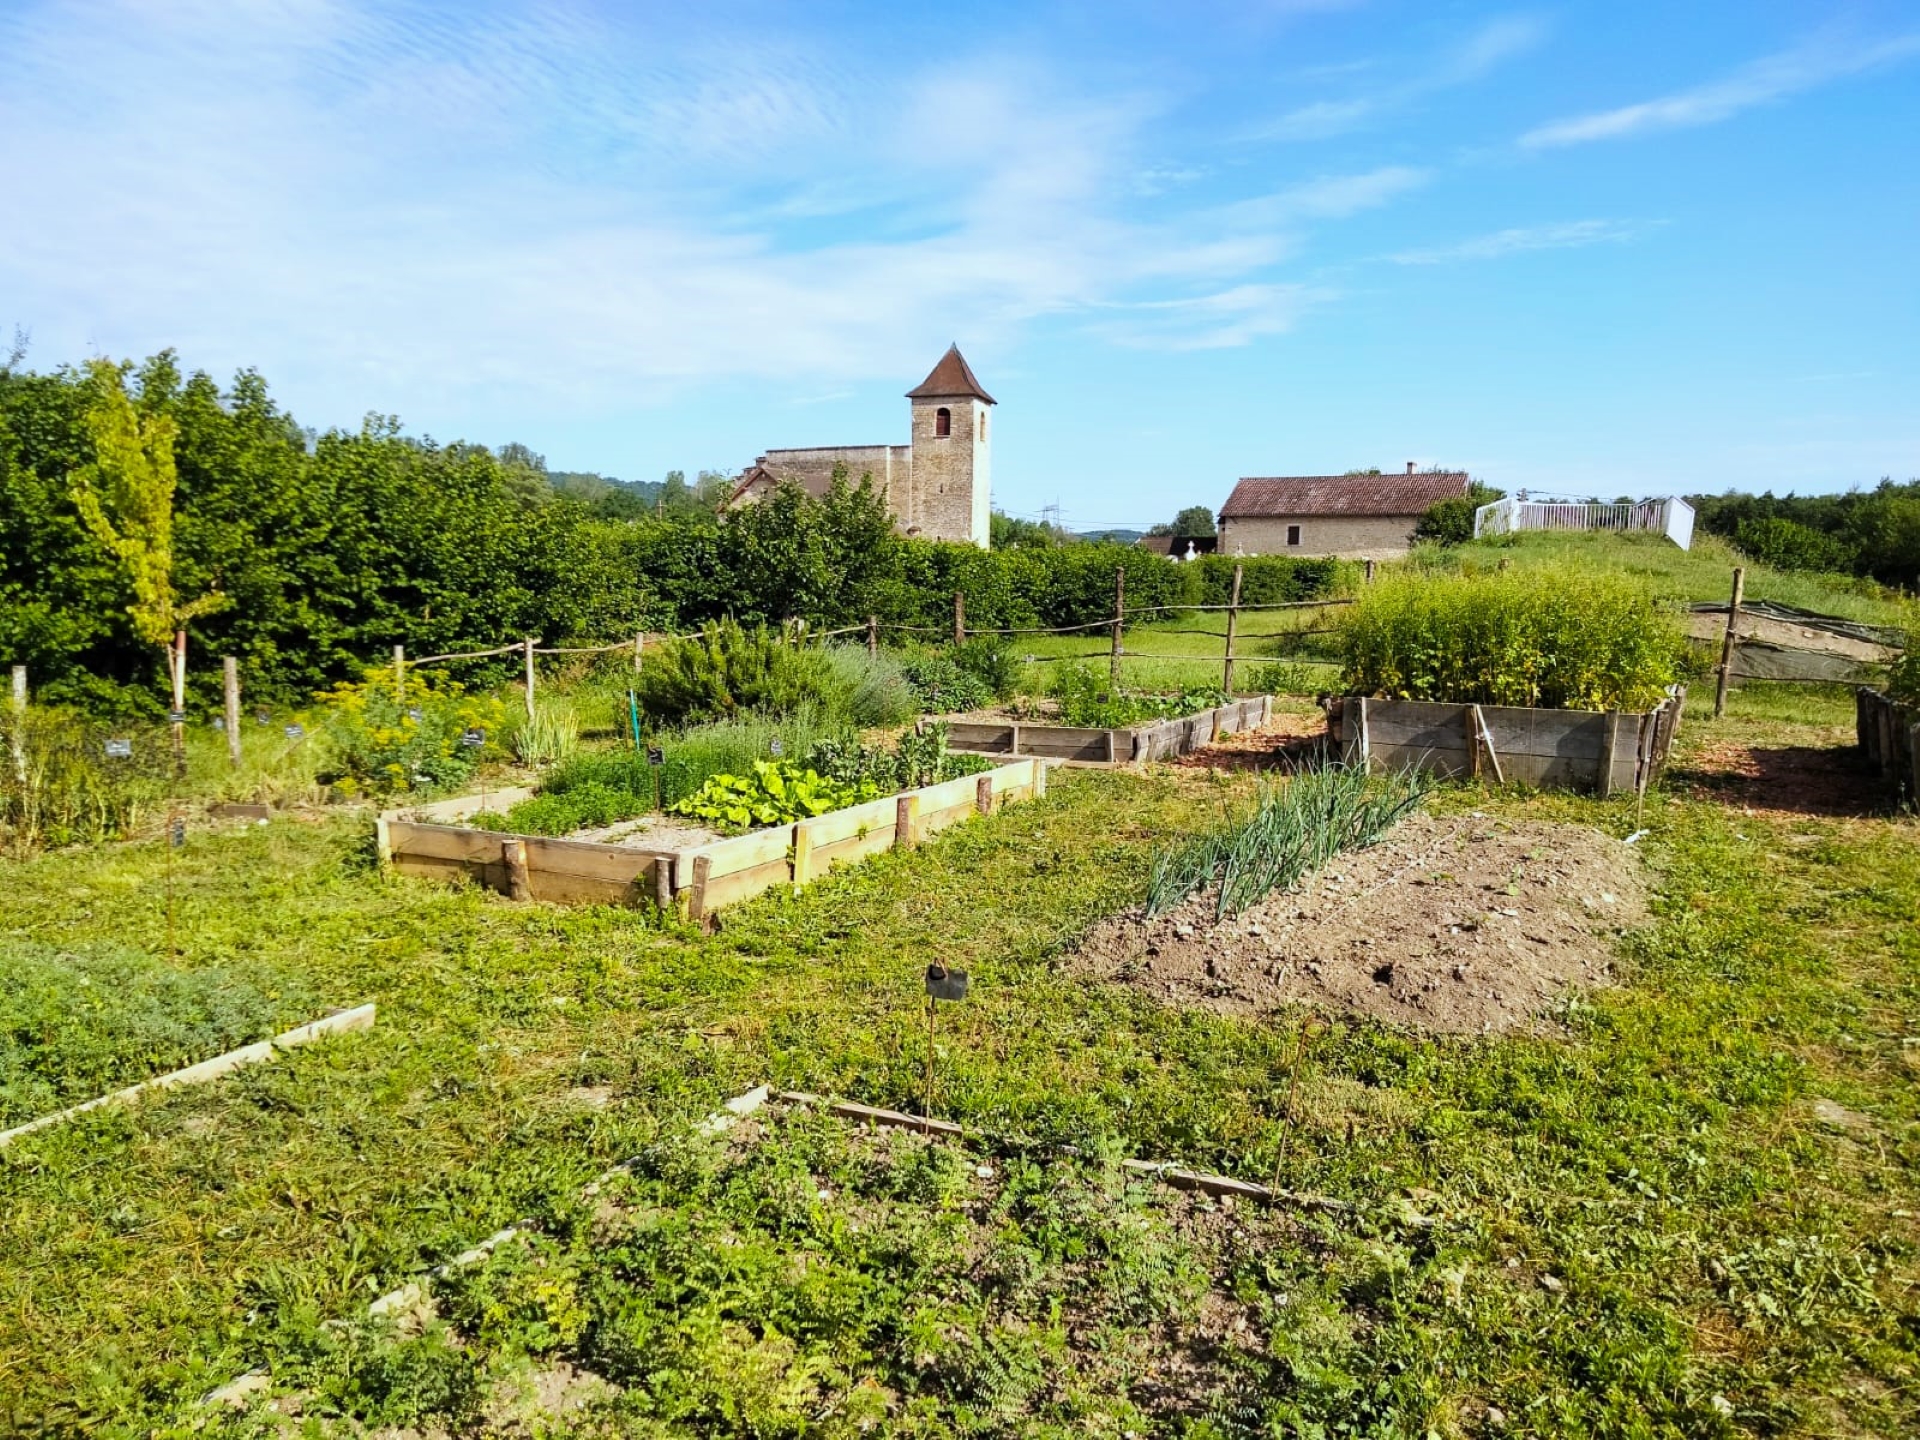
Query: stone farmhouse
(937,486)
(1359,517)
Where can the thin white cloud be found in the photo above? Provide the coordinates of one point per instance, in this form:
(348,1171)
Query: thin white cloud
(1523,239)
(448,211)
(1470,60)
(1761,83)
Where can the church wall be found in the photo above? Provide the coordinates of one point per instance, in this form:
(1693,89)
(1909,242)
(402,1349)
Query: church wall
(951,496)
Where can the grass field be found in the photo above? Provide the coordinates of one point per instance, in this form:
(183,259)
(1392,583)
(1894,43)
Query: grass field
(1663,1225)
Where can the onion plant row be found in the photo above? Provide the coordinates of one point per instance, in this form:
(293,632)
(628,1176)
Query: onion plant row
(1295,827)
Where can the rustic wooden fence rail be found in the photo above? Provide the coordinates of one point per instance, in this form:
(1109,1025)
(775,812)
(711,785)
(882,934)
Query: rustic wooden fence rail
(429,841)
(1889,735)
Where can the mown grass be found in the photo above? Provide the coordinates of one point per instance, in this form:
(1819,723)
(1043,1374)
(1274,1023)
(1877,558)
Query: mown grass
(1723,1260)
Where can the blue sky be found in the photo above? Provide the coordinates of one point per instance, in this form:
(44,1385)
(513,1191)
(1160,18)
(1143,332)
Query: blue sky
(1607,247)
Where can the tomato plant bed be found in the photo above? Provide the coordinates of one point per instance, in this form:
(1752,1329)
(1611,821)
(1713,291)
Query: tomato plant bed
(1606,751)
(429,841)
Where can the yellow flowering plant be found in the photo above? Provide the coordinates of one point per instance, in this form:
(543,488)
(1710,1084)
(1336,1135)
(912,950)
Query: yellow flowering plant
(429,737)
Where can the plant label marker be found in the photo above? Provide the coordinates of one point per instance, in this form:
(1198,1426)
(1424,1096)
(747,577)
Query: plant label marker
(774,747)
(177,833)
(473,739)
(220,723)
(656,756)
(294,732)
(176,717)
(942,984)
(261,717)
(414,714)
(119,749)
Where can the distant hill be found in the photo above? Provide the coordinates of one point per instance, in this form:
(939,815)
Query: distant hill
(609,496)
(1118,537)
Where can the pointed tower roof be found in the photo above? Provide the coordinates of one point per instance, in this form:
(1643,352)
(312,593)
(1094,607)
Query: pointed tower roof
(951,379)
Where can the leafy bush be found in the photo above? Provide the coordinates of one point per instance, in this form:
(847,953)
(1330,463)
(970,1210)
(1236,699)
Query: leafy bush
(379,742)
(777,792)
(1591,641)
(579,808)
(727,670)
(940,685)
(66,789)
(1450,521)
(867,690)
(1903,675)
(1088,698)
(992,661)
(1789,545)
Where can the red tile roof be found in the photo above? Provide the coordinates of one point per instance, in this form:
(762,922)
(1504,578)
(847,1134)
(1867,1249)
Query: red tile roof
(1277,496)
(952,378)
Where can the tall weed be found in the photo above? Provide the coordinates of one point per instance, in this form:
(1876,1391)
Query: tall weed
(1585,641)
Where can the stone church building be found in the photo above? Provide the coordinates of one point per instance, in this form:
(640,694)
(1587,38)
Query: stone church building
(938,485)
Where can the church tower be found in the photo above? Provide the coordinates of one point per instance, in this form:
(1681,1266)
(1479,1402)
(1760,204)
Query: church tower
(951,491)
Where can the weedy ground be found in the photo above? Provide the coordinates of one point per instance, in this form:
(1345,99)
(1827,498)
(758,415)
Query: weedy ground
(1695,1216)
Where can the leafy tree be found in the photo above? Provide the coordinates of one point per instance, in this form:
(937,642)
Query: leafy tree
(1789,545)
(1194,520)
(1009,532)
(125,498)
(1450,521)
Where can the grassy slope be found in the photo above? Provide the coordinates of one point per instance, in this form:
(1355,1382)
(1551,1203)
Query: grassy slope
(1714,1238)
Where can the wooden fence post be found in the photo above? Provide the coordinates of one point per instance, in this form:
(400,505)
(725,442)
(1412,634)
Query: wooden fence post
(1233,617)
(1727,647)
(1119,621)
(179,727)
(527,646)
(519,884)
(639,644)
(1369,572)
(230,684)
(873,635)
(959,618)
(19,737)
(400,675)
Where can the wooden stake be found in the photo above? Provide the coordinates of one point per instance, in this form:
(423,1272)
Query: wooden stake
(983,794)
(1233,618)
(514,854)
(1119,621)
(179,659)
(1732,640)
(400,675)
(1484,739)
(19,736)
(903,809)
(1369,572)
(873,634)
(639,644)
(527,647)
(959,618)
(230,684)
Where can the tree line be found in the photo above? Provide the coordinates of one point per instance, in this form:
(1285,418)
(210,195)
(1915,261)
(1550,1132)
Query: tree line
(138,498)
(1874,534)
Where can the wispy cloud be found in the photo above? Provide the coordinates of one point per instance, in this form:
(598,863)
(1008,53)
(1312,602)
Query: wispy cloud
(449,209)
(1522,239)
(1761,83)
(1463,63)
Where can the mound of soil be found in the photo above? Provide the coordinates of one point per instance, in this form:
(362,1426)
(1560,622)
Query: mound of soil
(1462,925)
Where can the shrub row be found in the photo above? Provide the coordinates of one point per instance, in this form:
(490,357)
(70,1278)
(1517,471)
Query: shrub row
(1581,642)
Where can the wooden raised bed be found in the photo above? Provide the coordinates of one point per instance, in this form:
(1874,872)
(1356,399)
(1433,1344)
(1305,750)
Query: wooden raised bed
(1607,751)
(1126,745)
(698,881)
(1889,735)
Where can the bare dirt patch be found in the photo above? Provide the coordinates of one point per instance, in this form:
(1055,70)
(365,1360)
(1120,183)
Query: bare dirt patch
(1464,925)
(1287,739)
(1797,779)
(651,832)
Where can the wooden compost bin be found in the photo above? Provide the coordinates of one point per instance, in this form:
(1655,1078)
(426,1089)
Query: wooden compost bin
(1890,739)
(430,842)
(1127,745)
(1607,751)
